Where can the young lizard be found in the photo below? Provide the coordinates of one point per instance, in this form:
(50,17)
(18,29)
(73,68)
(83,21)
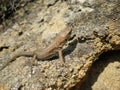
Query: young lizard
(53,50)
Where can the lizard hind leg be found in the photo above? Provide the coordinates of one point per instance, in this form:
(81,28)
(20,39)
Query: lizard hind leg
(33,62)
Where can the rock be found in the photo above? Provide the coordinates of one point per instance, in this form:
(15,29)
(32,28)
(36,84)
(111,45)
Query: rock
(104,73)
(95,23)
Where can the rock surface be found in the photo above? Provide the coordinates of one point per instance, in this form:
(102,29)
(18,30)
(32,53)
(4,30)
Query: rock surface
(104,73)
(95,23)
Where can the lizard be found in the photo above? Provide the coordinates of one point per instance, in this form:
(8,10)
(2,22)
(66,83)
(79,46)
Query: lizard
(55,49)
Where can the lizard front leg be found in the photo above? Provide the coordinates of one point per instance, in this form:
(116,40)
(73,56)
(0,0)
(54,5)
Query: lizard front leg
(61,56)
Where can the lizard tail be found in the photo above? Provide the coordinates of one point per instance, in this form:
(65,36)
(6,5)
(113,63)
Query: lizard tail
(10,58)
(16,55)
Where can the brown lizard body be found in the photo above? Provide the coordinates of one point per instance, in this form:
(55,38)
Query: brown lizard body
(54,49)
(50,51)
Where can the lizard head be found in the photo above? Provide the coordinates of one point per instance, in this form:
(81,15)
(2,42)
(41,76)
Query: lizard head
(63,36)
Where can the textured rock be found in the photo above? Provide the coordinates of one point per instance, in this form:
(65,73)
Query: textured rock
(96,23)
(104,73)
